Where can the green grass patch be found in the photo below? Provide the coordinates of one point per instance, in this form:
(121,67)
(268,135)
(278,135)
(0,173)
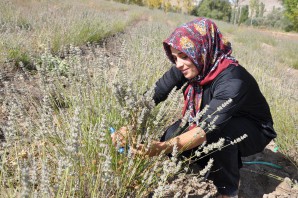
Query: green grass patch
(18,56)
(35,24)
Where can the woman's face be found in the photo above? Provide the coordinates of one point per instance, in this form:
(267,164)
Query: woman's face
(184,64)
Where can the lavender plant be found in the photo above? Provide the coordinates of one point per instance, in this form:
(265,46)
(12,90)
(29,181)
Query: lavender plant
(71,152)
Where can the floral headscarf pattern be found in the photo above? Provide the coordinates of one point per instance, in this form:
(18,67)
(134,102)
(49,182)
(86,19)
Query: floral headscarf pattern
(203,43)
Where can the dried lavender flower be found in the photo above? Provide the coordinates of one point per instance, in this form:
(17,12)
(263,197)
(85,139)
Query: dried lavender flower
(221,107)
(200,114)
(239,139)
(207,167)
(25,181)
(45,180)
(75,132)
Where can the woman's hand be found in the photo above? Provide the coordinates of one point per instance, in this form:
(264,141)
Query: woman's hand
(120,136)
(155,149)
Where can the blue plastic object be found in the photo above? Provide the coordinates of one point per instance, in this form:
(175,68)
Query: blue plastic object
(112,130)
(264,163)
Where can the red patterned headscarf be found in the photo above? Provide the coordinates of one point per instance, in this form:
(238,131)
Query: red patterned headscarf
(203,43)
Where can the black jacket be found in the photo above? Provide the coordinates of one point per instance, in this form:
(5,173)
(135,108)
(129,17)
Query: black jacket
(235,83)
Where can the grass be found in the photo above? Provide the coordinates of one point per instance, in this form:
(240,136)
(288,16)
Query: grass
(59,146)
(59,23)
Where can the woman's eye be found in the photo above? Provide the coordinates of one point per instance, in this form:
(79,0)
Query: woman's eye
(184,57)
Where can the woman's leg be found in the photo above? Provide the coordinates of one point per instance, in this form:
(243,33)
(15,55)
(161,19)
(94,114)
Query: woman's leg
(227,162)
(225,170)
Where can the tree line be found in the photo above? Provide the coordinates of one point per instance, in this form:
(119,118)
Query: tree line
(231,11)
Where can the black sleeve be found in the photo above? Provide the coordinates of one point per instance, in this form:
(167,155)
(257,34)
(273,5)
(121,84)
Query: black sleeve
(226,87)
(173,77)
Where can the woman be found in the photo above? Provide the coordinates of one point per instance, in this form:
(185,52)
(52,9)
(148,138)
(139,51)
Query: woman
(203,59)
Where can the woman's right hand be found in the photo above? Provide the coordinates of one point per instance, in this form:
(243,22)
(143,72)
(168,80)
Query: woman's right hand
(120,136)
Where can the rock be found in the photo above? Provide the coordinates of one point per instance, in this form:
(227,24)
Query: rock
(286,189)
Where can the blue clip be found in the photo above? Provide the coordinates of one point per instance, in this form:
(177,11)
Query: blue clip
(112,130)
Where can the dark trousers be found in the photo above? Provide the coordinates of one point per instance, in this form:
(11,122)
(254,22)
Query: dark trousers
(227,162)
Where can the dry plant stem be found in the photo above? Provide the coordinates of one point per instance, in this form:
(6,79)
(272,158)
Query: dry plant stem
(237,140)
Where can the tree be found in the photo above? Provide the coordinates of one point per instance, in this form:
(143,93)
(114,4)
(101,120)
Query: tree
(235,9)
(262,9)
(167,6)
(154,3)
(257,7)
(138,2)
(188,6)
(216,9)
(244,14)
(291,12)
(252,7)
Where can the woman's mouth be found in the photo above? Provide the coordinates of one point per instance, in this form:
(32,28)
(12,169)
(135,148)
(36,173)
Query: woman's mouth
(185,70)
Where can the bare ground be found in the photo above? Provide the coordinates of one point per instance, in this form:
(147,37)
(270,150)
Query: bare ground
(258,180)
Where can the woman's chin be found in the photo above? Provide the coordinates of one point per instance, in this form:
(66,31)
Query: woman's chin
(190,74)
(189,77)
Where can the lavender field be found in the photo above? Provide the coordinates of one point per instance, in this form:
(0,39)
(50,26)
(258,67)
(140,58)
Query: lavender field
(72,70)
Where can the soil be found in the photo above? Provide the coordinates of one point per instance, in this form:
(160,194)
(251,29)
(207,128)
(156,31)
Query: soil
(257,180)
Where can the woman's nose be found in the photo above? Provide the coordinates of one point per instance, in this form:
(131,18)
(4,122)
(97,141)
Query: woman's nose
(179,62)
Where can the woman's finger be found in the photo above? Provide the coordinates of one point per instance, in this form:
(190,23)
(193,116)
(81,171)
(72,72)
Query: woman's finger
(118,138)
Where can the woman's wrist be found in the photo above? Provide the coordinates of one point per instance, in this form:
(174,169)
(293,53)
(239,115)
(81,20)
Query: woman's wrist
(157,148)
(166,146)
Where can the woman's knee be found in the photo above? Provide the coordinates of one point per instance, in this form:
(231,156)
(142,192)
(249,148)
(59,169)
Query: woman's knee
(255,141)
